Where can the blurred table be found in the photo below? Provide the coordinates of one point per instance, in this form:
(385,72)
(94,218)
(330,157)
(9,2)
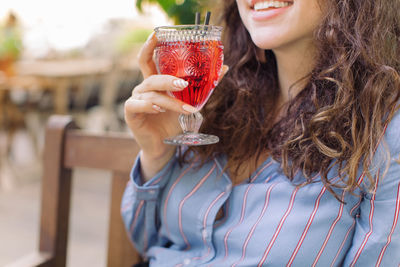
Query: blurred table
(60,75)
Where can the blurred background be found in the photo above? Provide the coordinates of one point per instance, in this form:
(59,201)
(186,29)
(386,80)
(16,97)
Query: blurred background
(67,57)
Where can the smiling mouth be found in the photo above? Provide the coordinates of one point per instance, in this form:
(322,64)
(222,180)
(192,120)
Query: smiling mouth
(265,5)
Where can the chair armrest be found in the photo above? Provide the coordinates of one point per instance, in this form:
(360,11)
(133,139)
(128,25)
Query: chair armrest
(33,259)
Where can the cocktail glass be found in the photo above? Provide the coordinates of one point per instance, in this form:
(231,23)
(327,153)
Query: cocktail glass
(195,54)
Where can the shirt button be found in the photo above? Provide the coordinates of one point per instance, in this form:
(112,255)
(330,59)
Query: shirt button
(228,188)
(152,192)
(186,261)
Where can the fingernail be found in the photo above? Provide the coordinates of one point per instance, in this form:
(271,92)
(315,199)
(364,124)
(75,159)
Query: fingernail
(158,108)
(180,84)
(150,37)
(189,108)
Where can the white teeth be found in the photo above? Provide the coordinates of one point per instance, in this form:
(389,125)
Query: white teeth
(268,4)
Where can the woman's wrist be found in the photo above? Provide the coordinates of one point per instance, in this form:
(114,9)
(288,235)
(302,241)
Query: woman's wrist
(150,165)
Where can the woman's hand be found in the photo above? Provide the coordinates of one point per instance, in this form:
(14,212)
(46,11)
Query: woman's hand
(152,115)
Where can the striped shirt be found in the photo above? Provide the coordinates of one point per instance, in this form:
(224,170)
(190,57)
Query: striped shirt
(268,220)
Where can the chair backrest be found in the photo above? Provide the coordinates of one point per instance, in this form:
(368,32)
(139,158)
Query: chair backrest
(66,148)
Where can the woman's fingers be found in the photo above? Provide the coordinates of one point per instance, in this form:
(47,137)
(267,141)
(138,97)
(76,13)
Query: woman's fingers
(225,69)
(156,102)
(137,106)
(150,96)
(145,56)
(167,83)
(161,83)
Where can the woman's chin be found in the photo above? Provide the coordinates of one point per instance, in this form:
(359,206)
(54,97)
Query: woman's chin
(266,42)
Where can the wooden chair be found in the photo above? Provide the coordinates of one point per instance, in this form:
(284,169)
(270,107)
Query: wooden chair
(66,148)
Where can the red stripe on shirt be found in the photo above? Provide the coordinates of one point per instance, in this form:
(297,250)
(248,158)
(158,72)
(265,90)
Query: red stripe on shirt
(371,214)
(344,241)
(139,208)
(202,180)
(305,231)
(252,180)
(266,202)
(242,211)
(330,230)
(260,171)
(205,225)
(277,231)
(169,195)
(348,232)
(240,220)
(396,217)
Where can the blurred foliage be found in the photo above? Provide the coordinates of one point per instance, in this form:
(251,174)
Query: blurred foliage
(10,39)
(10,44)
(137,36)
(181,11)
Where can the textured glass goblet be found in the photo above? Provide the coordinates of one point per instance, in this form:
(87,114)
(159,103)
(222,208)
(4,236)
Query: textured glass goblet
(195,54)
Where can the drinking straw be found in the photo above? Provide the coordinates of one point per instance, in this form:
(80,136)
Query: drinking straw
(207,20)
(197,21)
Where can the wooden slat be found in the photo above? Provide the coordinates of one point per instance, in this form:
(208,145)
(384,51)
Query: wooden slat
(56,188)
(65,149)
(120,250)
(101,152)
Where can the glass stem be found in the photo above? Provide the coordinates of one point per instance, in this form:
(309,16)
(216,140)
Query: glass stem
(190,123)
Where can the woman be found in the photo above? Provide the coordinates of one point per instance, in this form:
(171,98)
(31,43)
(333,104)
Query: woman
(306,172)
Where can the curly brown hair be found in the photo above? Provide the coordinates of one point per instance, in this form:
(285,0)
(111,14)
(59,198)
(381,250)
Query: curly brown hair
(340,114)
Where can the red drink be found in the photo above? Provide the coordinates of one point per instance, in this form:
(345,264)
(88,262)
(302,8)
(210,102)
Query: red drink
(197,62)
(195,54)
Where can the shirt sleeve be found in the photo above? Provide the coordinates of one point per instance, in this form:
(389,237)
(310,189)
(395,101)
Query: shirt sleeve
(376,240)
(139,206)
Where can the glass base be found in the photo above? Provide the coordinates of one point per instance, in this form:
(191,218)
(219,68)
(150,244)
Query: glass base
(192,139)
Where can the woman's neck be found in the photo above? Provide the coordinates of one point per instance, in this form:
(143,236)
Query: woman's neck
(294,63)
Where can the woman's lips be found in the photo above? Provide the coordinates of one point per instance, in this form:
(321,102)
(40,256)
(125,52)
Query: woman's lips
(265,10)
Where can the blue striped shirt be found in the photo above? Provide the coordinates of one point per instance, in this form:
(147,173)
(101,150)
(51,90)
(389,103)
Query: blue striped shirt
(268,220)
